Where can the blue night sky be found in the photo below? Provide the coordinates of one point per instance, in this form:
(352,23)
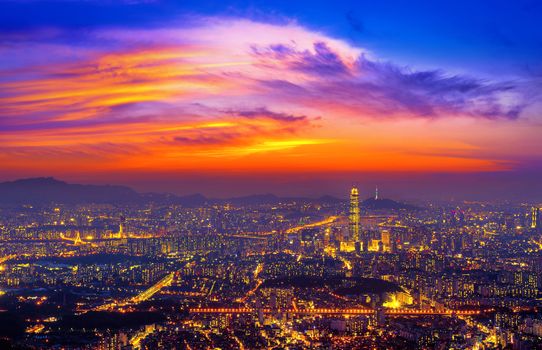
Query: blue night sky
(454,33)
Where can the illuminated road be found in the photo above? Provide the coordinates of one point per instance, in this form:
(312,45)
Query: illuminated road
(260,235)
(145,295)
(7,257)
(77,240)
(164,282)
(324,222)
(238,341)
(346,262)
(331,311)
(135,341)
(537,243)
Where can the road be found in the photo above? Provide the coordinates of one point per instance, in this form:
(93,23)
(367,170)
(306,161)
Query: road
(339,311)
(326,221)
(145,295)
(155,288)
(258,282)
(7,257)
(260,235)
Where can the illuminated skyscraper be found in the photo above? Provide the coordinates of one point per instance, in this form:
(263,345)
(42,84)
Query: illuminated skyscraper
(535,218)
(354,215)
(121,233)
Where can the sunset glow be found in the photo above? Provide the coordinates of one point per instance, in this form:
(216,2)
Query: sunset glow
(222,93)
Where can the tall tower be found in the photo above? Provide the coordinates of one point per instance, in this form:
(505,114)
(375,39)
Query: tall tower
(535,218)
(354,215)
(122,228)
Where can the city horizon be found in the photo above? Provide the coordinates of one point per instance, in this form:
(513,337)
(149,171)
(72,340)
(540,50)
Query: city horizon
(387,190)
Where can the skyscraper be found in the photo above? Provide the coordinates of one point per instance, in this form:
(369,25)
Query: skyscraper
(535,218)
(354,215)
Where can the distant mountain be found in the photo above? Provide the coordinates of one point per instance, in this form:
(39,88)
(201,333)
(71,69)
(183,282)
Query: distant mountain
(260,199)
(257,199)
(192,200)
(330,200)
(46,190)
(383,203)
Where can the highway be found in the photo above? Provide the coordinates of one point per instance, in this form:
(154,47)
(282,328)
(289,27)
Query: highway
(260,235)
(145,295)
(327,221)
(77,240)
(7,257)
(258,281)
(155,288)
(338,311)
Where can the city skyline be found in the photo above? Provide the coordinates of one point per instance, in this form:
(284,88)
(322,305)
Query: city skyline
(320,273)
(228,99)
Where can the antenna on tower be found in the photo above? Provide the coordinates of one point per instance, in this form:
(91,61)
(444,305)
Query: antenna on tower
(376,193)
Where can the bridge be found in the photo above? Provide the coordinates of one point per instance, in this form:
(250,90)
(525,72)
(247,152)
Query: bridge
(337,311)
(74,240)
(155,288)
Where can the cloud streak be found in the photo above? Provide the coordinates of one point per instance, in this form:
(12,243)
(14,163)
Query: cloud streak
(376,88)
(151,97)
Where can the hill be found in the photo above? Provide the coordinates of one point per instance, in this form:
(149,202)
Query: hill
(381,204)
(48,190)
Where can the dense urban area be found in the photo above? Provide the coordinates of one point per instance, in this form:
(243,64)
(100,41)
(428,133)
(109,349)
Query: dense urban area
(275,273)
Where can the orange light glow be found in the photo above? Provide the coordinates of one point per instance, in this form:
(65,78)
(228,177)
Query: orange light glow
(229,106)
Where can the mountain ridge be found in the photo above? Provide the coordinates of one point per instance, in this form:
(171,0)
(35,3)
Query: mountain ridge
(385,203)
(46,190)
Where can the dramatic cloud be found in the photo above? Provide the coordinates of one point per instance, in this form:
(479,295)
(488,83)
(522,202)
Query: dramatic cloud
(230,88)
(376,89)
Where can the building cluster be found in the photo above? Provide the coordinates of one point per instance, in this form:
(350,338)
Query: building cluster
(323,274)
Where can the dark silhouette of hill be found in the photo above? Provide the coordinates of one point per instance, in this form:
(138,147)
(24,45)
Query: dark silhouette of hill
(256,199)
(384,203)
(47,190)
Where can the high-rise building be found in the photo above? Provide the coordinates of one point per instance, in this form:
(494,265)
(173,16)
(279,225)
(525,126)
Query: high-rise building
(535,218)
(385,238)
(354,215)
(121,233)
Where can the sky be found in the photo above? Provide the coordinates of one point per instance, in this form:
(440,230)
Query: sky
(424,99)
